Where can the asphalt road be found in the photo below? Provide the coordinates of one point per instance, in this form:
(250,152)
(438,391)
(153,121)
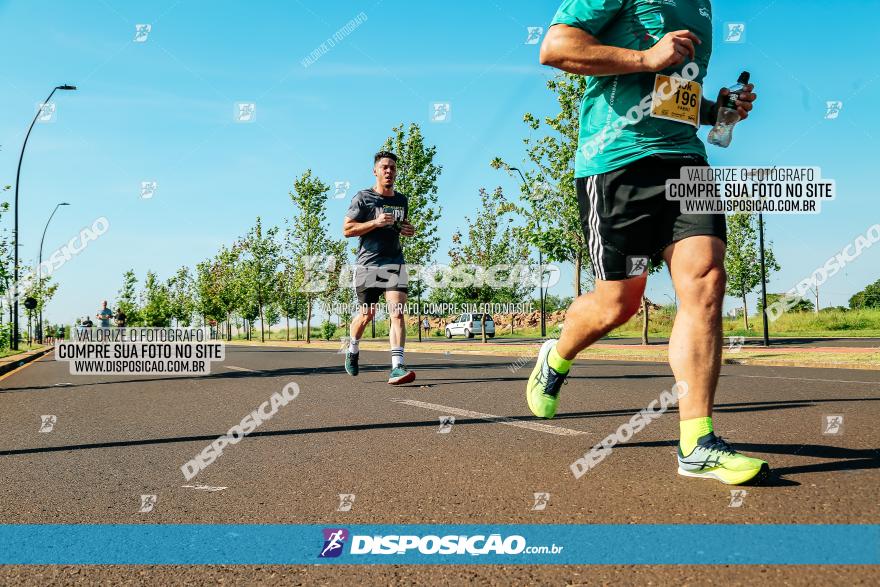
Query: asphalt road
(117,438)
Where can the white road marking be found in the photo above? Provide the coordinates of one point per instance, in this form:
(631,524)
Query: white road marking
(535,426)
(203,487)
(234,368)
(806,379)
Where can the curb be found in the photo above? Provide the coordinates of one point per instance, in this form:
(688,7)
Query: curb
(13,362)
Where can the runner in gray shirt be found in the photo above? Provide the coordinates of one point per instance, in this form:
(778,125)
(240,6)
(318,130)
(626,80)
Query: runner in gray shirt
(378,216)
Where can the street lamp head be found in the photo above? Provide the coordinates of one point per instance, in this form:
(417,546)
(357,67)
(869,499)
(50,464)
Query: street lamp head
(66,87)
(64,204)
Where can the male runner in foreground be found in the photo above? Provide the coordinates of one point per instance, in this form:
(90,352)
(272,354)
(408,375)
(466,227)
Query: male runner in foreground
(628,48)
(378,215)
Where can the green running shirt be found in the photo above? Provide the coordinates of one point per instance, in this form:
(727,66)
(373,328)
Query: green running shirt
(637,25)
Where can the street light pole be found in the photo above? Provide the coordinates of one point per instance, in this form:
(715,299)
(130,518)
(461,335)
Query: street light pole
(763,279)
(15,292)
(540,265)
(40,271)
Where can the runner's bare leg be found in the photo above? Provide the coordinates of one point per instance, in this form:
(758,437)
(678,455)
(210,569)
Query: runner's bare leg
(591,316)
(396,305)
(697,268)
(359,323)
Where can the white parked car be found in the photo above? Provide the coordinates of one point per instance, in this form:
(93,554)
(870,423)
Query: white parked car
(470,324)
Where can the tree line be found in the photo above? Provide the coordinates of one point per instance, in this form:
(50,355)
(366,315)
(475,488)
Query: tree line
(266,275)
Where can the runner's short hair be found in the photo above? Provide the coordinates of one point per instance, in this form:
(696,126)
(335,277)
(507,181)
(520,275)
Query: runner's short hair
(384,155)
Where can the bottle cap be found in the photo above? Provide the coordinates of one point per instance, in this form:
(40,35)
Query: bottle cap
(743,78)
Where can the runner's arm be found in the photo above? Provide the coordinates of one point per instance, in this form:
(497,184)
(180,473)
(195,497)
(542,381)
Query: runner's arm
(708,112)
(576,51)
(353,228)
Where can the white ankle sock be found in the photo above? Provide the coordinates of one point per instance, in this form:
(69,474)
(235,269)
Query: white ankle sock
(396,356)
(354,346)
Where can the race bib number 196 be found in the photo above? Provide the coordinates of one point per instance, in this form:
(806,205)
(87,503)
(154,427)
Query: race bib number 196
(682,105)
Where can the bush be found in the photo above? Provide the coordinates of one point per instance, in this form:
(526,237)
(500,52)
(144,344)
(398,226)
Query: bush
(328,329)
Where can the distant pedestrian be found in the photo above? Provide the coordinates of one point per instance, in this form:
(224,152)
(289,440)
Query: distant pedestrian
(104,315)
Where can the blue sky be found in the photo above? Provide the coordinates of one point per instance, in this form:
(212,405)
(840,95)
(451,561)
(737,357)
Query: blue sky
(162,110)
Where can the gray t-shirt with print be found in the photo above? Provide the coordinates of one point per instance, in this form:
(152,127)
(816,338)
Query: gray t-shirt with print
(380,246)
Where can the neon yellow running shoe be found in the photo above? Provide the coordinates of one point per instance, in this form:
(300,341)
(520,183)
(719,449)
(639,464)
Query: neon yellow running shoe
(542,391)
(713,458)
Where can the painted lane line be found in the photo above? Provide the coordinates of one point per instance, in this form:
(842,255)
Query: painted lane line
(203,487)
(534,426)
(234,368)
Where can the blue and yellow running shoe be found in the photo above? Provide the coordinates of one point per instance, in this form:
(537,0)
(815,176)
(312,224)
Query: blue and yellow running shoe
(713,458)
(542,390)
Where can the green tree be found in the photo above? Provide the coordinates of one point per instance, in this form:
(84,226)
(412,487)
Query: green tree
(42,291)
(553,223)
(309,240)
(742,260)
(345,301)
(182,296)
(300,311)
(335,293)
(247,306)
(205,294)
(127,299)
(224,268)
(491,241)
(271,315)
(417,176)
(5,250)
(260,263)
(156,310)
(285,293)
(292,277)
(867,298)
(6,274)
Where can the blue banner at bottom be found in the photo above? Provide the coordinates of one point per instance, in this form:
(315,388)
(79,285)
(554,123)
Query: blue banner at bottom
(193,544)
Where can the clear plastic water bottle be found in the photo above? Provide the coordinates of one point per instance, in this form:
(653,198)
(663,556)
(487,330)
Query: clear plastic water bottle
(722,133)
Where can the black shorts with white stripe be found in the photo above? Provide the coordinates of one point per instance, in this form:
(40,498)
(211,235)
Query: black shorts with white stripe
(628,221)
(371,281)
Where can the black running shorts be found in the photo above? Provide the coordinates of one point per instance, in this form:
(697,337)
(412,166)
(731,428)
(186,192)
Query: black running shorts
(627,219)
(371,281)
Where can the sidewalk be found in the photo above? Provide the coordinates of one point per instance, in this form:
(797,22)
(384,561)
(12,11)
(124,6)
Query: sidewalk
(11,362)
(815,357)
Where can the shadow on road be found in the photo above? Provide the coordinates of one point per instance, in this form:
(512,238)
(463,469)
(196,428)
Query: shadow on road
(847,459)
